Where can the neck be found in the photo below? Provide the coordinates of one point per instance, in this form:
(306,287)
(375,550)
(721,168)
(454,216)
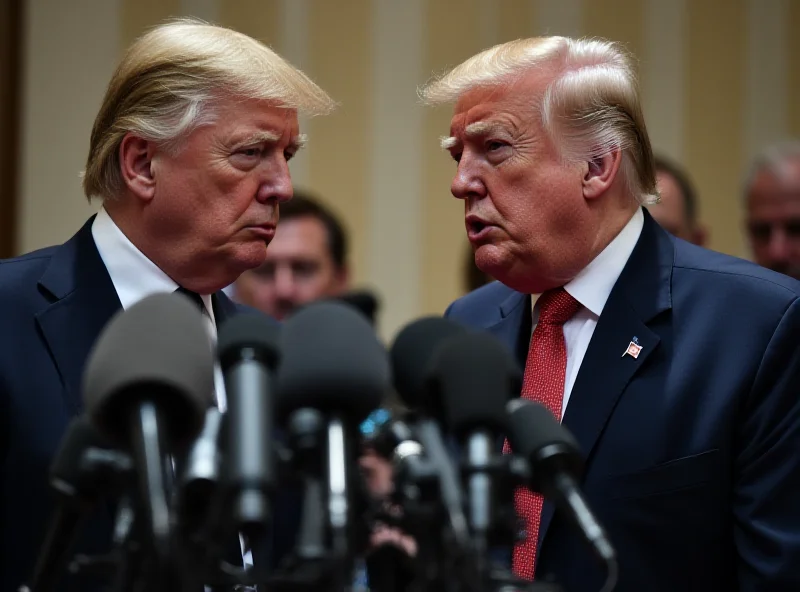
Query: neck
(189,273)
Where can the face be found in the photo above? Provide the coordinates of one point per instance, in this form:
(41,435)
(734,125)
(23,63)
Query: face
(215,202)
(298,269)
(773,220)
(670,213)
(525,213)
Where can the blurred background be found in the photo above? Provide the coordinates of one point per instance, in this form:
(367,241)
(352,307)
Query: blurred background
(720,79)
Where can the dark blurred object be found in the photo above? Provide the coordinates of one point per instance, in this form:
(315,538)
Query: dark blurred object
(364,301)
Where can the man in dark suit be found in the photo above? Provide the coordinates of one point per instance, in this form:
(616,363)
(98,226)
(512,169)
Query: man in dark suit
(189,156)
(677,369)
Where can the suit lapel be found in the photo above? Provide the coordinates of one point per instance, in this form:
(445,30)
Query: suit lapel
(84,300)
(514,325)
(642,291)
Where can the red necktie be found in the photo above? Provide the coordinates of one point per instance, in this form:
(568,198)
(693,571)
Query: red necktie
(545,372)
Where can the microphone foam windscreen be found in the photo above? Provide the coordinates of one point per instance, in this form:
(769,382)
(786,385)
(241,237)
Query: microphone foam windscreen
(249,331)
(65,470)
(412,354)
(331,361)
(157,350)
(475,375)
(532,428)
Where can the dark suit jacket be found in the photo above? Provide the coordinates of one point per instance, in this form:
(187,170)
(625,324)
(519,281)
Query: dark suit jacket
(53,304)
(693,448)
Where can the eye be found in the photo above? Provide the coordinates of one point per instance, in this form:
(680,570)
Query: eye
(494,145)
(289,154)
(250,152)
(456,156)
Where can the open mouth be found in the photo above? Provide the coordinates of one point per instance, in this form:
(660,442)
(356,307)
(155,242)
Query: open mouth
(476,226)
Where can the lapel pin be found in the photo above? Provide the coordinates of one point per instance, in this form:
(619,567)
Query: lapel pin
(633,348)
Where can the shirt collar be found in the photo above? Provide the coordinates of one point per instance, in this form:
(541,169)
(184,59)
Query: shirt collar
(593,285)
(134,275)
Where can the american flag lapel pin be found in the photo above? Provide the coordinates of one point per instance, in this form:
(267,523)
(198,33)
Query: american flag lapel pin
(633,348)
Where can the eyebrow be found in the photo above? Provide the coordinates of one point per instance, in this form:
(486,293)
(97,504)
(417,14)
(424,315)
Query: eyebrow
(478,128)
(298,142)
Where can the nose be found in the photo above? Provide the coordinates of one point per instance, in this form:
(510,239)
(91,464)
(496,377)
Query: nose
(778,247)
(276,184)
(284,283)
(467,182)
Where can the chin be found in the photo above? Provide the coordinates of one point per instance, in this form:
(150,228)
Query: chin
(250,256)
(493,260)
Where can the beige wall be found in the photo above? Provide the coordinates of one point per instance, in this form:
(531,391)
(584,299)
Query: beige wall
(719,78)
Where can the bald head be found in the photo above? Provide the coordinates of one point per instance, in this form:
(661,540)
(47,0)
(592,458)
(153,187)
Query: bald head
(773,210)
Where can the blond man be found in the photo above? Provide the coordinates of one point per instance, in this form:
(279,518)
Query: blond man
(676,368)
(188,158)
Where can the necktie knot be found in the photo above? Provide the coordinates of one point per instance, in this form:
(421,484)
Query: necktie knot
(556,307)
(194,297)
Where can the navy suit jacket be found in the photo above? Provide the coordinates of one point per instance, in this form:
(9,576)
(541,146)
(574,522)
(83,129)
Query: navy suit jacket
(692,449)
(53,304)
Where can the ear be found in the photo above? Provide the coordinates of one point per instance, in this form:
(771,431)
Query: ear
(136,166)
(600,174)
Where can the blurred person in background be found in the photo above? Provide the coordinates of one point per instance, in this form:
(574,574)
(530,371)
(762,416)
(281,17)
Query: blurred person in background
(307,260)
(189,158)
(676,210)
(772,208)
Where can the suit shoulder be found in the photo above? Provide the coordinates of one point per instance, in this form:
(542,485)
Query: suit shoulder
(480,302)
(737,276)
(22,273)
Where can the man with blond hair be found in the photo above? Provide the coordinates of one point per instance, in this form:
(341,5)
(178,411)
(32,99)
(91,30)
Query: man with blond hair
(676,368)
(189,159)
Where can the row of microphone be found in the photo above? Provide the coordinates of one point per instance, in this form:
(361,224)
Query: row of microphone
(153,439)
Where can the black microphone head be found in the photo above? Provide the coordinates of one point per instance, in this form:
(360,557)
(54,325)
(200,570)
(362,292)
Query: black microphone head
(535,433)
(66,473)
(475,375)
(255,332)
(412,353)
(157,350)
(363,301)
(332,361)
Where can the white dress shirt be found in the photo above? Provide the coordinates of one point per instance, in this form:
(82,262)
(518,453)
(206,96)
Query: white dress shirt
(135,277)
(591,288)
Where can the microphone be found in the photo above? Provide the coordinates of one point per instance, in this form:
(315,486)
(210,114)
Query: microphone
(555,466)
(474,375)
(248,349)
(148,382)
(78,490)
(333,363)
(412,354)
(201,474)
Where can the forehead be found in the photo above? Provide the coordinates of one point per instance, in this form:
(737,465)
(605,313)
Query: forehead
(305,236)
(776,192)
(251,115)
(512,104)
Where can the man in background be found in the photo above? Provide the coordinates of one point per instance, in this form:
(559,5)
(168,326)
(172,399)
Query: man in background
(189,159)
(305,262)
(676,210)
(772,208)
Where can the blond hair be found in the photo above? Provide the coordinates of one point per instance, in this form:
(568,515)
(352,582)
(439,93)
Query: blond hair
(590,108)
(168,82)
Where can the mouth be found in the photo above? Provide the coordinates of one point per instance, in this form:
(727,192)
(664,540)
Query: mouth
(477,228)
(263,231)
